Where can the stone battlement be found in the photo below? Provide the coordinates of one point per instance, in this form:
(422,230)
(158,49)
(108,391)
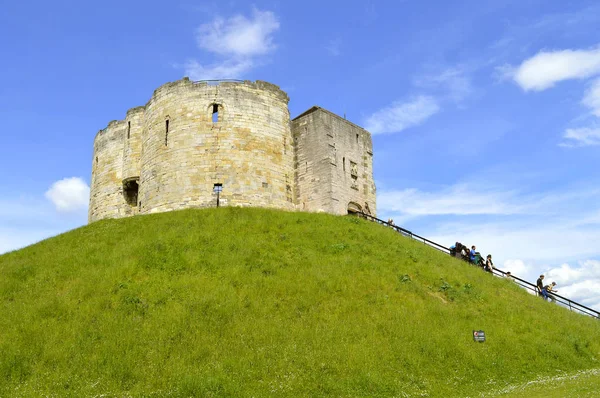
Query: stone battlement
(191,137)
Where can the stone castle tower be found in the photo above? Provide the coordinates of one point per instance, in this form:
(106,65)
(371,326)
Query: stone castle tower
(195,138)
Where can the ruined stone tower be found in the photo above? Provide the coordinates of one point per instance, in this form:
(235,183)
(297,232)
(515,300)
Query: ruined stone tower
(194,138)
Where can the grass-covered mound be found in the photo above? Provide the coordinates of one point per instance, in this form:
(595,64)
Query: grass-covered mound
(250,302)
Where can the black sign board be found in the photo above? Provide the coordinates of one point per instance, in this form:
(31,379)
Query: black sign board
(479,335)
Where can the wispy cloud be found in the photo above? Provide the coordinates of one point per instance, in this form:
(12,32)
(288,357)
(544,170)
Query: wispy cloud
(455,200)
(28,219)
(547,68)
(334,47)
(230,69)
(592,97)
(238,42)
(537,229)
(452,83)
(401,115)
(581,137)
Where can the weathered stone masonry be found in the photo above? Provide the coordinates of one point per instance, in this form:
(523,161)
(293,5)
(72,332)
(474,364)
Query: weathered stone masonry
(190,136)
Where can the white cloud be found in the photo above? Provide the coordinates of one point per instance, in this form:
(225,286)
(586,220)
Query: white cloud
(225,70)
(524,232)
(579,283)
(238,41)
(581,137)
(453,82)
(517,267)
(592,97)
(333,47)
(402,115)
(456,200)
(239,36)
(28,219)
(524,248)
(547,68)
(69,194)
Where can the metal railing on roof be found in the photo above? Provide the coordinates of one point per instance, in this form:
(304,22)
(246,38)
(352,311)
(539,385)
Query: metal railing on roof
(218,81)
(568,303)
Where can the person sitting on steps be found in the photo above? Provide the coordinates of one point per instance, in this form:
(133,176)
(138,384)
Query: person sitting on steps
(489,265)
(547,290)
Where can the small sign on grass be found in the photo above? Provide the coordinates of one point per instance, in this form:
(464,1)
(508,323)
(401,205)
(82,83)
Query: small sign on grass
(479,335)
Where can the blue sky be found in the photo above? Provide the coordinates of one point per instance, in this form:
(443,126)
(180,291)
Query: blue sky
(485,115)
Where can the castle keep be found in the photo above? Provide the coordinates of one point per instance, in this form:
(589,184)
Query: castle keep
(193,139)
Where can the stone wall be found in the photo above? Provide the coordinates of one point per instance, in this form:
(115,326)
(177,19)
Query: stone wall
(247,150)
(334,163)
(106,193)
(313,169)
(170,153)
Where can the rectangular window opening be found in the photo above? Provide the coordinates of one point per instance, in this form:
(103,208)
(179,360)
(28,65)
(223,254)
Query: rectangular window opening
(215,113)
(357,138)
(167,132)
(128,130)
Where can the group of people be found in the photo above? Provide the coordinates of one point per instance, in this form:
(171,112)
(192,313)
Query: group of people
(545,290)
(472,256)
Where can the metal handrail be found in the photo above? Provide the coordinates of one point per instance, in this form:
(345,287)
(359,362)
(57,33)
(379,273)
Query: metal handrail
(572,305)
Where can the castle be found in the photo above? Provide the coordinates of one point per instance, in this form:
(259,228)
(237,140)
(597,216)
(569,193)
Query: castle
(196,143)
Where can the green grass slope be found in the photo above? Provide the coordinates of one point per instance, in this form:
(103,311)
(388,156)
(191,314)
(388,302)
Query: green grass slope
(252,302)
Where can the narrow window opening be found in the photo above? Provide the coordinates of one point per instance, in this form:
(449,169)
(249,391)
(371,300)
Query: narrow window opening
(140,205)
(128,130)
(96,159)
(218,188)
(344,163)
(357,138)
(130,191)
(215,113)
(166,132)
(284,145)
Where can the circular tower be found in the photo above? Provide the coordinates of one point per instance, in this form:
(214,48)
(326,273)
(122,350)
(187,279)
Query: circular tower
(198,138)
(106,197)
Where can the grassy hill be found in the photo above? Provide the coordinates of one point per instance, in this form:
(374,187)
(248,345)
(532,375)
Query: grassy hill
(252,302)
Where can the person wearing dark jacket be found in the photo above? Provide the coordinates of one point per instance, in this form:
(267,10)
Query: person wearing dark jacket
(540,285)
